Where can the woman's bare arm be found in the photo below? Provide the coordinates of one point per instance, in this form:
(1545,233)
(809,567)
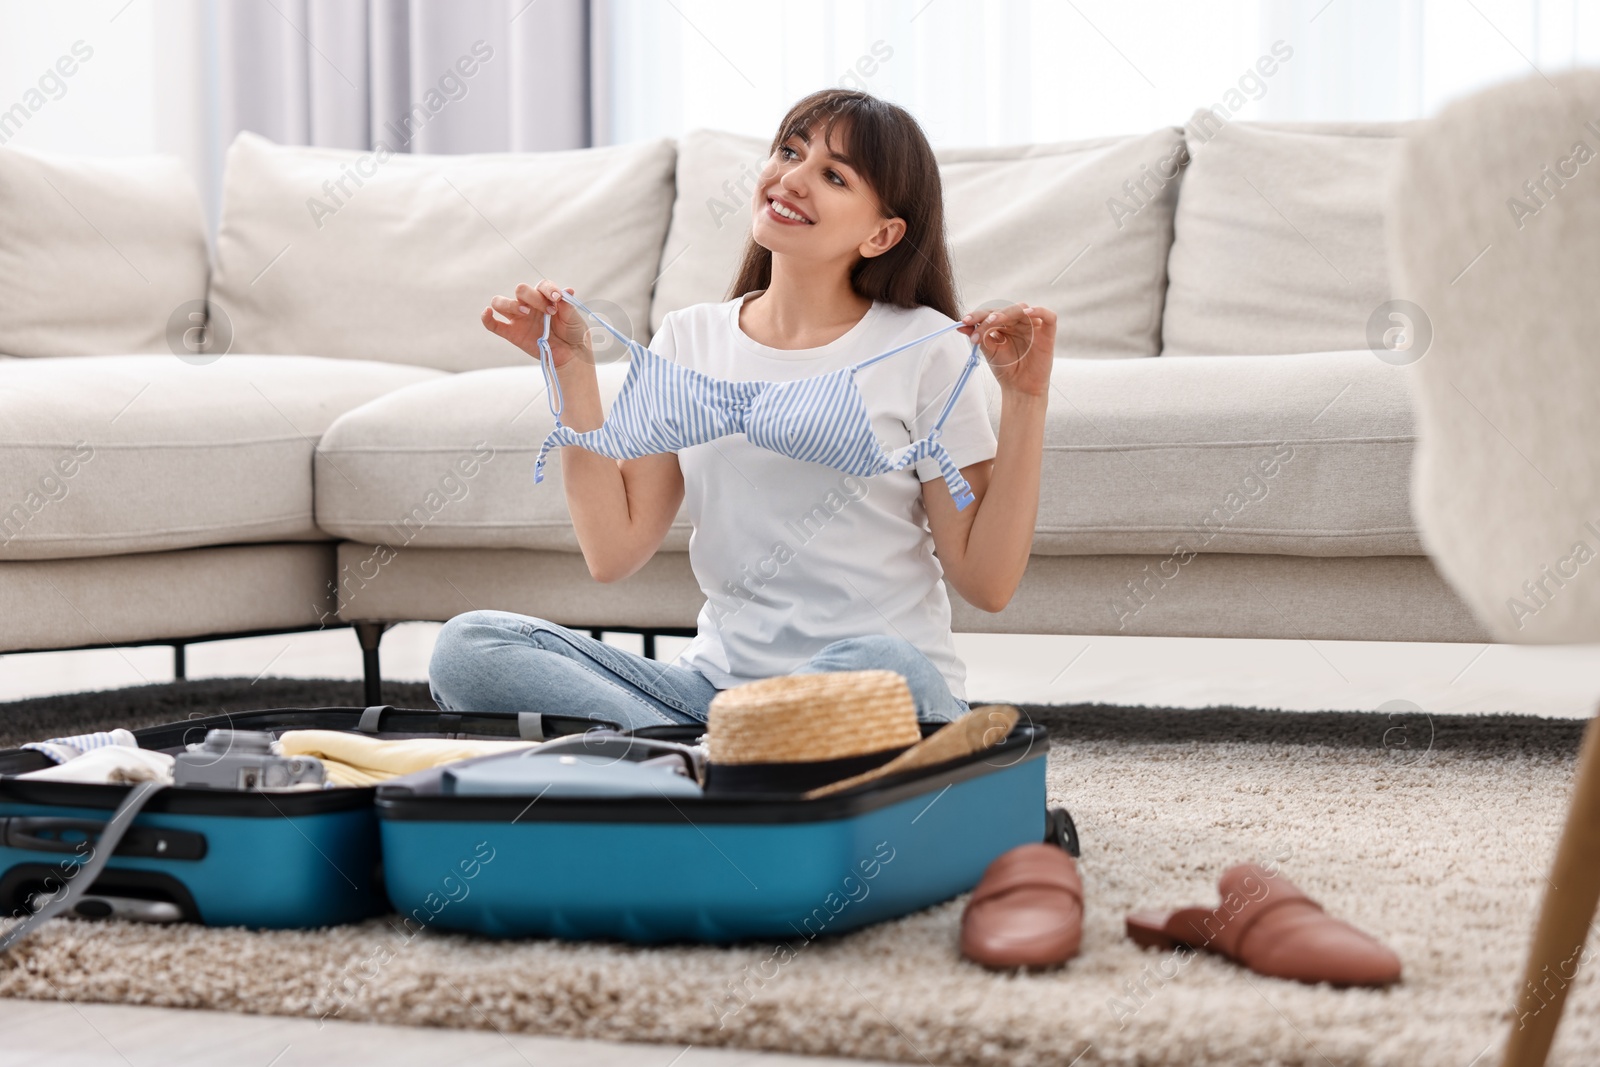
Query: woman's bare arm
(984,549)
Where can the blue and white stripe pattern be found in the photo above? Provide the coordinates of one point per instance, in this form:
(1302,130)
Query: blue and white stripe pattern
(63,749)
(664,407)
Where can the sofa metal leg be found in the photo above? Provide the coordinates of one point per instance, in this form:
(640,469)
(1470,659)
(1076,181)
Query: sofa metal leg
(369,634)
(180,666)
(649,644)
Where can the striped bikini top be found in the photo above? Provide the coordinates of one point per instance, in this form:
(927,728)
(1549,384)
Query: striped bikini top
(664,407)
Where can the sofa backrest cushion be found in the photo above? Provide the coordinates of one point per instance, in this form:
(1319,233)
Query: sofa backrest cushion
(375,255)
(1278,243)
(98,254)
(1051,224)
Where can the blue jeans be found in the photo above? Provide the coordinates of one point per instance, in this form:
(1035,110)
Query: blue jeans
(500,661)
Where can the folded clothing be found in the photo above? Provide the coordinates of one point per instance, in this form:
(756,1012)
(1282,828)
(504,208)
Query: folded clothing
(355,760)
(570,774)
(65,749)
(114,764)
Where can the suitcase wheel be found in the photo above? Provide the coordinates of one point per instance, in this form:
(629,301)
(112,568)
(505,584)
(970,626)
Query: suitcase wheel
(1061,831)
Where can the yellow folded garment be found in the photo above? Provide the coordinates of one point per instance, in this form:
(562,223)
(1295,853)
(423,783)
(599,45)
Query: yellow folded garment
(351,759)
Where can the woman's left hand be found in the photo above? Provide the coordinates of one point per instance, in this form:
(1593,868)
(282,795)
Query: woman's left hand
(1020,344)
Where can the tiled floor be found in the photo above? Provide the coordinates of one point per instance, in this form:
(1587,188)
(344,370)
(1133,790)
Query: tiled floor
(1294,675)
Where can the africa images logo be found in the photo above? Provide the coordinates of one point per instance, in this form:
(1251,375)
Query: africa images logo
(1399,332)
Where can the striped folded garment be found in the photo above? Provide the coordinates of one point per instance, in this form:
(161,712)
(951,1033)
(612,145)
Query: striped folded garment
(62,749)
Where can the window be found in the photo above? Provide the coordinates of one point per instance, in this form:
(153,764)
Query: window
(1007,71)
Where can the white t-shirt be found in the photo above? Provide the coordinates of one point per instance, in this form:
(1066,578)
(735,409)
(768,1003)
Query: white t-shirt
(793,555)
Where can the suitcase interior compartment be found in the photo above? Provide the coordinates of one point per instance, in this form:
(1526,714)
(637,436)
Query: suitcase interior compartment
(265,859)
(715,868)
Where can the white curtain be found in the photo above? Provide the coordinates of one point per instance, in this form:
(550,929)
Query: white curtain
(419,75)
(980,72)
(423,76)
(183,76)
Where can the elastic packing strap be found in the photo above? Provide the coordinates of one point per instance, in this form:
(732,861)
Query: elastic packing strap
(79,881)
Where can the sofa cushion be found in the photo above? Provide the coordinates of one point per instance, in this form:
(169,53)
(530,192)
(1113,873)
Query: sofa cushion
(1306,455)
(1278,239)
(98,253)
(104,455)
(1301,455)
(156,596)
(1051,224)
(449,464)
(393,257)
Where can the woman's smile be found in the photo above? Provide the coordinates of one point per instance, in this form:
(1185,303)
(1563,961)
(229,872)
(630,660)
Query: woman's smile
(785,212)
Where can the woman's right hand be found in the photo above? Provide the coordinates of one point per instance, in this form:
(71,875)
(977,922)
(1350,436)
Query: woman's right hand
(524,325)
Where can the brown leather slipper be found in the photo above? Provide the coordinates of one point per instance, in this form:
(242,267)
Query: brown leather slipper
(1027,911)
(1267,924)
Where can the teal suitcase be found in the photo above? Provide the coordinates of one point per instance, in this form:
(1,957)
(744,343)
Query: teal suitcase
(712,868)
(222,857)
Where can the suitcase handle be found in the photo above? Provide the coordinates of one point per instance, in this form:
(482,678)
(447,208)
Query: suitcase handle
(531,725)
(45,833)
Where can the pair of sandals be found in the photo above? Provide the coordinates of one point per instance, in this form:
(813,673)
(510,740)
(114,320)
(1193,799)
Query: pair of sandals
(1027,911)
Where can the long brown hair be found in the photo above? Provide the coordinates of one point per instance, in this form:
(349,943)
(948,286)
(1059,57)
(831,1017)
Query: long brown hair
(889,151)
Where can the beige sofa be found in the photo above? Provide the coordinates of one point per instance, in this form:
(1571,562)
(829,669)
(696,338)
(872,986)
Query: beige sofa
(1229,442)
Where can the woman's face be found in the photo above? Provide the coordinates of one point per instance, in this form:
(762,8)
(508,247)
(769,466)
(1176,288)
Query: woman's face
(810,203)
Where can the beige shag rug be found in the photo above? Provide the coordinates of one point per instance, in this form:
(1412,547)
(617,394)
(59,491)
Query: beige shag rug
(1436,839)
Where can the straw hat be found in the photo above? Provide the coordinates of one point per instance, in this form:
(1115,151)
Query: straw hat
(807,718)
(800,732)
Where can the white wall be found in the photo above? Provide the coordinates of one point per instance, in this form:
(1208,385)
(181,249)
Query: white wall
(107,105)
(142,90)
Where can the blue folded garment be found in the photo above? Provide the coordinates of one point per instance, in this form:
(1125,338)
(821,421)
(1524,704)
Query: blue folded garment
(558,774)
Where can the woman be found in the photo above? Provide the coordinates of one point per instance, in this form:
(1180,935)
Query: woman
(804,569)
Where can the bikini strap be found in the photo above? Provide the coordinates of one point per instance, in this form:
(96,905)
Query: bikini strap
(627,342)
(960,491)
(552,382)
(966,372)
(547,361)
(909,344)
(961,382)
